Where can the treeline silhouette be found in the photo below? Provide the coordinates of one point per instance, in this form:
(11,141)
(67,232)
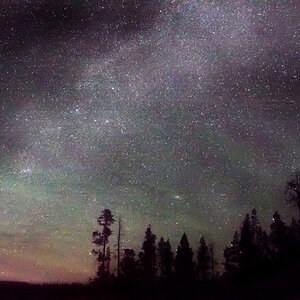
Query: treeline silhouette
(155,260)
(258,264)
(252,253)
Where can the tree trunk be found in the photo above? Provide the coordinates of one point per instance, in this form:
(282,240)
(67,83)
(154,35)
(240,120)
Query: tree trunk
(212,261)
(298,201)
(119,248)
(103,258)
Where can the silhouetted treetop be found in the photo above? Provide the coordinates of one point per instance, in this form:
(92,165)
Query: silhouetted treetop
(204,259)
(165,258)
(184,265)
(148,254)
(100,239)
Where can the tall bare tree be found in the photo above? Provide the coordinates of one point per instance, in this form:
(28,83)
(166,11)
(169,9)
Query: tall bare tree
(119,246)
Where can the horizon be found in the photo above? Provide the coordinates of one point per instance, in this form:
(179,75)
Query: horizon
(219,266)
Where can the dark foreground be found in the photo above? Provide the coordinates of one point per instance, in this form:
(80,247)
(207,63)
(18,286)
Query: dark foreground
(280,286)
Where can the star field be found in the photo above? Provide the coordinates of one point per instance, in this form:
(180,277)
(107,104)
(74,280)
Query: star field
(182,114)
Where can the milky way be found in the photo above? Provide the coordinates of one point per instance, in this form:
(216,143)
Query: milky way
(182,114)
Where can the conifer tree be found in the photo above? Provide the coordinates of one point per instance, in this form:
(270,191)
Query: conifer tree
(204,259)
(100,239)
(165,258)
(108,259)
(247,246)
(263,245)
(148,255)
(184,265)
(212,259)
(259,239)
(232,255)
(278,235)
(161,249)
(255,226)
(128,265)
(168,261)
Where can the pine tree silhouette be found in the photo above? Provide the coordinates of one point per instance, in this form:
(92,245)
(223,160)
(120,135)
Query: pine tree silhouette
(278,235)
(100,239)
(212,259)
(255,226)
(232,255)
(169,260)
(204,259)
(184,265)
(165,258)
(259,239)
(128,265)
(148,255)
(263,245)
(247,245)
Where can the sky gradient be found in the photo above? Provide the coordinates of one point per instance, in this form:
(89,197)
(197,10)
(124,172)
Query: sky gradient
(182,114)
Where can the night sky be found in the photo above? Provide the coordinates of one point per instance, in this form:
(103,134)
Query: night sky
(182,114)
